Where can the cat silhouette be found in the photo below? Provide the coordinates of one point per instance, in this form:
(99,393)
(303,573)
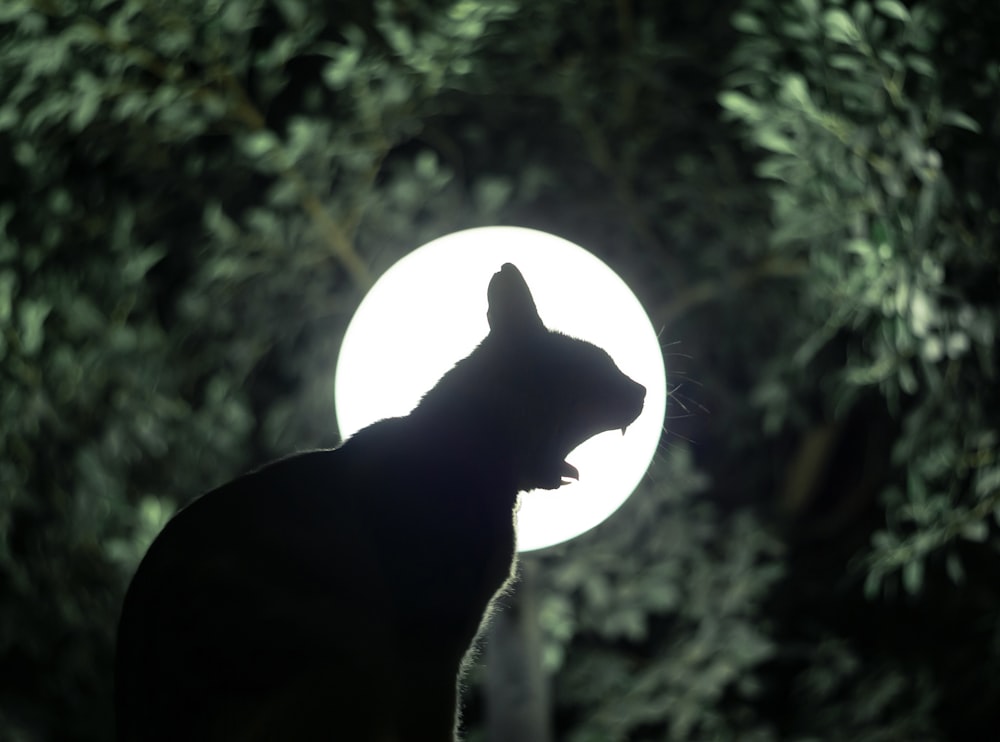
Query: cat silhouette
(333,594)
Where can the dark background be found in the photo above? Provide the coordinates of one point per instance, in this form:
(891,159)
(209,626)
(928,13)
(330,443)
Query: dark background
(195,195)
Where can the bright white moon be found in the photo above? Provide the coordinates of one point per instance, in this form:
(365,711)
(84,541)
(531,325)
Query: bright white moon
(428,311)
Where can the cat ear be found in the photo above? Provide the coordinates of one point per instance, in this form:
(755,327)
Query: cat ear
(512,309)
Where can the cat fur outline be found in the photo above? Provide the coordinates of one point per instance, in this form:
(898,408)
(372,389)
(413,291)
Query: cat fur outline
(333,595)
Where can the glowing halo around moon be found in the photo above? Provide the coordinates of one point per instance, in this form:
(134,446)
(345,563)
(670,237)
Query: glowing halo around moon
(428,311)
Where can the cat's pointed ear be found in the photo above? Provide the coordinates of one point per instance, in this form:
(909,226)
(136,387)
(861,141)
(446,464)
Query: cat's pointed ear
(512,309)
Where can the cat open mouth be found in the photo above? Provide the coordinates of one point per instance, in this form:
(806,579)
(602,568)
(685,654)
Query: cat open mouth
(569,473)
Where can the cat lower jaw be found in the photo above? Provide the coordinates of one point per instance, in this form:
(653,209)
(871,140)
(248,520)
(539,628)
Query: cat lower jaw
(569,472)
(550,477)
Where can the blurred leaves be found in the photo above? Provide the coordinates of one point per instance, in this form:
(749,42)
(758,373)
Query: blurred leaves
(667,559)
(870,186)
(194,195)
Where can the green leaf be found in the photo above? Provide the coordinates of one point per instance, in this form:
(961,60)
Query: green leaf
(748,23)
(795,89)
(961,120)
(916,487)
(907,379)
(337,74)
(840,26)
(846,62)
(396,91)
(975,530)
(891,60)
(236,17)
(809,7)
(219,223)
(921,65)
(138,264)
(259,143)
(153,513)
(32,314)
(9,116)
(893,9)
(295,11)
(426,164)
(953,566)
(775,141)
(740,105)
(14,10)
(399,38)
(83,318)
(491,193)
(873,583)
(8,283)
(913,576)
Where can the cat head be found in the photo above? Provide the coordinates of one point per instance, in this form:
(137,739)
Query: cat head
(527,395)
(557,391)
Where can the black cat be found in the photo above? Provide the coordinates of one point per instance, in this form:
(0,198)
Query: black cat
(332,595)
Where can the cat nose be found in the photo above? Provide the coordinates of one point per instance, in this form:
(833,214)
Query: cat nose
(637,398)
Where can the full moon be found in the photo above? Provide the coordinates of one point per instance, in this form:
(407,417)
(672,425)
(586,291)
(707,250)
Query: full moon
(428,311)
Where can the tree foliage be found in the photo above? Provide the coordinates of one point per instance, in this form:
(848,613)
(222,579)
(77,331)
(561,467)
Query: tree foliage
(194,195)
(870,184)
(871,139)
(654,622)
